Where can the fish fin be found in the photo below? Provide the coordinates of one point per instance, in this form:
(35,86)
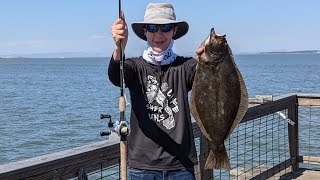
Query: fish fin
(244,100)
(218,159)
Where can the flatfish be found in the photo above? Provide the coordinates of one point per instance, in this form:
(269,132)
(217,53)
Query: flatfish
(219,97)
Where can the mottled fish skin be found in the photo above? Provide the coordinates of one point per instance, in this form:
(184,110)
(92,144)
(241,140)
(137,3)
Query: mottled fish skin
(219,97)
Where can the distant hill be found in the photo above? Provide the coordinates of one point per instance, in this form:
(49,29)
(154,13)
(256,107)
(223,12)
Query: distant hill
(55,55)
(100,54)
(11,57)
(192,54)
(293,52)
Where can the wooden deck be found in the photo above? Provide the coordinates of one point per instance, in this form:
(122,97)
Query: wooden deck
(287,174)
(302,174)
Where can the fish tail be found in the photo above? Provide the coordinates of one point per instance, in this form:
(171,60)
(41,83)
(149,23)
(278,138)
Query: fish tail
(218,159)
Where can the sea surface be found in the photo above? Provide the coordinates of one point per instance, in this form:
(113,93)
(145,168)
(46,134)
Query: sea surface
(49,105)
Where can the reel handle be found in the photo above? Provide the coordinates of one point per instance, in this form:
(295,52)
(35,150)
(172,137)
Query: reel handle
(105,133)
(104,116)
(110,125)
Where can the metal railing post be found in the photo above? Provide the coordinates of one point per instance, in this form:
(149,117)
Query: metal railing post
(204,152)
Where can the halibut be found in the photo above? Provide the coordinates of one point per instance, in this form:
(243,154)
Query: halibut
(219,98)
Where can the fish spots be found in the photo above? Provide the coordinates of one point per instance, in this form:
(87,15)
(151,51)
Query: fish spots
(221,103)
(221,107)
(203,77)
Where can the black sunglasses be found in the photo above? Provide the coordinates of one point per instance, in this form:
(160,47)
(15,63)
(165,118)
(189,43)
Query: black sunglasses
(163,27)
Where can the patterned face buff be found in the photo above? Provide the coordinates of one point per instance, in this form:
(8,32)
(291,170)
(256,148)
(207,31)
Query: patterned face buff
(163,58)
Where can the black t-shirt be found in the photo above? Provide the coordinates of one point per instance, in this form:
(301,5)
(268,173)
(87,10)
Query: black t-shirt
(161,135)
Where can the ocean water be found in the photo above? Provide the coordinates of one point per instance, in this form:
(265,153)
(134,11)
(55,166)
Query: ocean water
(49,105)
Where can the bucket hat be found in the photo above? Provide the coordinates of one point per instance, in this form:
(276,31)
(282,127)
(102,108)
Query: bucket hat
(160,13)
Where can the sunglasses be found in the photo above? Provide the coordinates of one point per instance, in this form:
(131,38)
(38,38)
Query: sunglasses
(163,27)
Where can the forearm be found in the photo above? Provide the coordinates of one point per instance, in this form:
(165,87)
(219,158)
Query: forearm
(114,71)
(117,53)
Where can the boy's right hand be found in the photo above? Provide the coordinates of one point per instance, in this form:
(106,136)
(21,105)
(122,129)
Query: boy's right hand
(119,32)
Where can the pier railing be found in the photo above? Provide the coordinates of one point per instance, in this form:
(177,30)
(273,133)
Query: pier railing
(273,139)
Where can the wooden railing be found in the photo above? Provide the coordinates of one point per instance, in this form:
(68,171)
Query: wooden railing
(72,162)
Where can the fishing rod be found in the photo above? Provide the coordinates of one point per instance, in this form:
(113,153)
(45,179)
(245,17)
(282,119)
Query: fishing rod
(121,127)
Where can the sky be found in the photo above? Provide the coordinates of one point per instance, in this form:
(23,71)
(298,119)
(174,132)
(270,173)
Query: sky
(84,26)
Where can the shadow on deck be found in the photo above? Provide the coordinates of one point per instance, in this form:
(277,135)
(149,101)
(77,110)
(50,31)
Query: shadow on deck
(302,174)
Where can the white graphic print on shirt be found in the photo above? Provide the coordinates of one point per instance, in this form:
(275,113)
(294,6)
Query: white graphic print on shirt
(161,102)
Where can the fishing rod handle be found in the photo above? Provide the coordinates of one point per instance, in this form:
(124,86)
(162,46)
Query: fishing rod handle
(122,104)
(123,159)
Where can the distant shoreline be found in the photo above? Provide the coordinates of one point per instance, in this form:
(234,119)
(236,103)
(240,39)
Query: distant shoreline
(293,52)
(75,57)
(186,54)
